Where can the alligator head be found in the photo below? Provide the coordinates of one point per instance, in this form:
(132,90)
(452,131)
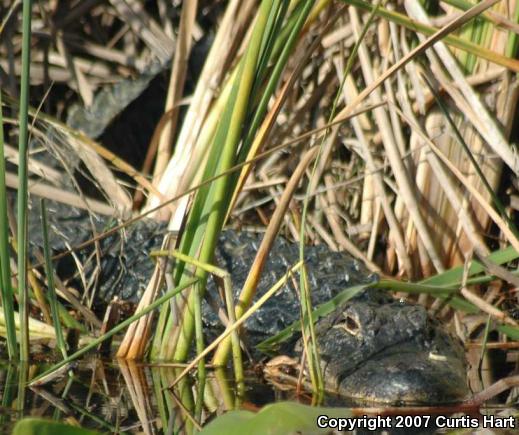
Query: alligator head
(375,350)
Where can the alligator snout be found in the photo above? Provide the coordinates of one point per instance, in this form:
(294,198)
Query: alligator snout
(407,377)
(391,353)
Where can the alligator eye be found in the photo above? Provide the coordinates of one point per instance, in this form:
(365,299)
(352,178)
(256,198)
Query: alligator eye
(350,324)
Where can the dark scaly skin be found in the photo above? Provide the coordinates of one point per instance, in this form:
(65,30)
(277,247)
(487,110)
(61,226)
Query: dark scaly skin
(373,349)
(390,352)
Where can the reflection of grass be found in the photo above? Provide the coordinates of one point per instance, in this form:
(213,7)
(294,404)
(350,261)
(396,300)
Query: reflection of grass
(120,327)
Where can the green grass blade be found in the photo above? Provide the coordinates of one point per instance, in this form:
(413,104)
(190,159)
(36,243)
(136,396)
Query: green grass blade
(5,270)
(511,45)
(226,142)
(511,331)
(454,276)
(22,176)
(286,49)
(50,281)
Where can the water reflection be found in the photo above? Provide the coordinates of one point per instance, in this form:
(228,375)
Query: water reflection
(120,397)
(129,397)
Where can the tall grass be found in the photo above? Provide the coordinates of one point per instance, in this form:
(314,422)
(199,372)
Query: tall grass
(50,281)
(5,269)
(23,140)
(210,205)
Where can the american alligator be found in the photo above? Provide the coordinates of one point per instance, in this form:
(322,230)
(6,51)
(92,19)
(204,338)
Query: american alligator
(373,348)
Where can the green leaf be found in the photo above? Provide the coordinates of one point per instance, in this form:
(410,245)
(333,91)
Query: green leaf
(40,426)
(281,418)
(454,276)
(511,331)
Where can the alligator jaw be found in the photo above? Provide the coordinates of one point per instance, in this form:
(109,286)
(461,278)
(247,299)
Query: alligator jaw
(406,376)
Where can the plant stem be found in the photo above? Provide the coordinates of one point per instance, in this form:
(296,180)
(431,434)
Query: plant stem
(23,140)
(5,271)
